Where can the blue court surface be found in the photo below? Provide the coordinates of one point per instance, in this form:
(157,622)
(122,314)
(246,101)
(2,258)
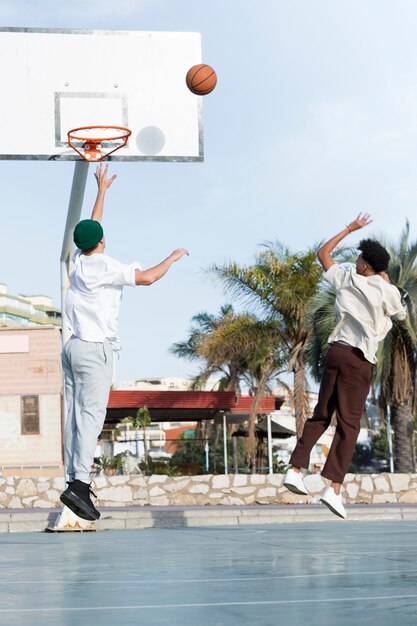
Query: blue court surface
(294,575)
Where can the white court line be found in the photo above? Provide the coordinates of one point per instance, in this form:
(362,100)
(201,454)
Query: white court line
(374,553)
(175,581)
(209,604)
(385,532)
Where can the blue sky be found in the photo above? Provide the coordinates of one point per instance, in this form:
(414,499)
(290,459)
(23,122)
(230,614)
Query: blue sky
(314,119)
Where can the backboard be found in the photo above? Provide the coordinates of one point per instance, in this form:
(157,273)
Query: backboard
(54,80)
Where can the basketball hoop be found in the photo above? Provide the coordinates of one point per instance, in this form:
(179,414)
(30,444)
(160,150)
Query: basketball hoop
(90,140)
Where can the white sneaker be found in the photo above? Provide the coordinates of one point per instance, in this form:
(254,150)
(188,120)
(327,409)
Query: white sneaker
(333,502)
(294,482)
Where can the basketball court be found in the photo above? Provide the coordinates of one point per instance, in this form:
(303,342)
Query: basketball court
(79,96)
(320,574)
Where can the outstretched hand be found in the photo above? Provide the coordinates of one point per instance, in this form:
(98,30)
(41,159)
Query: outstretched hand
(178,254)
(361,221)
(103,182)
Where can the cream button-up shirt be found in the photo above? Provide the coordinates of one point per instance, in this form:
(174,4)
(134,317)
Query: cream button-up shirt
(364,308)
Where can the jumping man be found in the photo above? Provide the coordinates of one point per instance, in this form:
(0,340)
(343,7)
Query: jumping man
(365,304)
(91,311)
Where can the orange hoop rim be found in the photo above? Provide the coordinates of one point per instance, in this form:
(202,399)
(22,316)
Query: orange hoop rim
(92,145)
(126,133)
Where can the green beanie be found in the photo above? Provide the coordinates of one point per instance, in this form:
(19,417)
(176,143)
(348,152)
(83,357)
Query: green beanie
(87,234)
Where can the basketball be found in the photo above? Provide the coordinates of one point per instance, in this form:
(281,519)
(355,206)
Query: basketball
(201,79)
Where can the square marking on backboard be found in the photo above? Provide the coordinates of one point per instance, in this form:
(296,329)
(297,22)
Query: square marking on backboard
(73,110)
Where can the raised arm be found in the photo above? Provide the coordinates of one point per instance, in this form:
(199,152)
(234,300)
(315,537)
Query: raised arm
(103,183)
(325,251)
(150,276)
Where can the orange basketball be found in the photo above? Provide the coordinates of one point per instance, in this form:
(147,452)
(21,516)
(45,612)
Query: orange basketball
(201,79)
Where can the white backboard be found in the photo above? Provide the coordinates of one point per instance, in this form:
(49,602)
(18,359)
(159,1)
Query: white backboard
(54,80)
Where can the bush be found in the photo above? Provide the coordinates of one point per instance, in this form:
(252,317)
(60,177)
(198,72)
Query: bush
(190,458)
(373,456)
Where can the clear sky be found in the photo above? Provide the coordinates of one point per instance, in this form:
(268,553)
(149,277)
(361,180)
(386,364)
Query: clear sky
(314,119)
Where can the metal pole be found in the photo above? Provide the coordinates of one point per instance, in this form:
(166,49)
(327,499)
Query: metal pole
(73,217)
(235,463)
(67,520)
(137,443)
(226,468)
(389,437)
(268,417)
(206,451)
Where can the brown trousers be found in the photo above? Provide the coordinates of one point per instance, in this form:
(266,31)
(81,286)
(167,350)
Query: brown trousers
(344,388)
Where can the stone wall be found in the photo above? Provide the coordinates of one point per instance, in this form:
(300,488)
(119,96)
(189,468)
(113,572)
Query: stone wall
(125,491)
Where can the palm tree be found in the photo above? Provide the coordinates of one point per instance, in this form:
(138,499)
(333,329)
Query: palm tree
(397,369)
(395,375)
(321,320)
(281,285)
(240,347)
(230,370)
(255,345)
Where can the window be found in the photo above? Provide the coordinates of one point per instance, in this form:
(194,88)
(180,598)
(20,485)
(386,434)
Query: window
(29,412)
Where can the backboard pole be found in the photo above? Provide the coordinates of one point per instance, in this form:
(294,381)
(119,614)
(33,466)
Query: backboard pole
(67,520)
(73,217)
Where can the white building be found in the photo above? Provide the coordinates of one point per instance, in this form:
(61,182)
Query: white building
(164,383)
(30,386)
(27,311)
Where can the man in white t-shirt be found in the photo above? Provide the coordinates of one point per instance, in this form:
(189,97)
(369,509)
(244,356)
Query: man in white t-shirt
(91,311)
(365,303)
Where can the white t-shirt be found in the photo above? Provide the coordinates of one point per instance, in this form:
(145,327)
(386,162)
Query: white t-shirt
(95,292)
(364,308)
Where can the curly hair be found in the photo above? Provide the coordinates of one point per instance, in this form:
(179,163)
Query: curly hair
(374,254)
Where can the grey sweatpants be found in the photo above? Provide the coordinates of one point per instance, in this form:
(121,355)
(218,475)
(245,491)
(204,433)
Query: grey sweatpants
(88,370)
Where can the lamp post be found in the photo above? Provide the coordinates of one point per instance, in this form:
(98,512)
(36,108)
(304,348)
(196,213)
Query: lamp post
(206,454)
(268,417)
(389,437)
(226,467)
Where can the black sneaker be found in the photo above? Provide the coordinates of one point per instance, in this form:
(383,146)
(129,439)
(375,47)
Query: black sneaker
(77,498)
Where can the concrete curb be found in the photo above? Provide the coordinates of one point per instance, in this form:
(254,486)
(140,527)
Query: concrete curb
(37,520)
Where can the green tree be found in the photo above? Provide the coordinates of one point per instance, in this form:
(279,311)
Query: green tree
(240,347)
(229,368)
(380,445)
(280,285)
(396,373)
(141,421)
(203,325)
(191,452)
(256,345)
